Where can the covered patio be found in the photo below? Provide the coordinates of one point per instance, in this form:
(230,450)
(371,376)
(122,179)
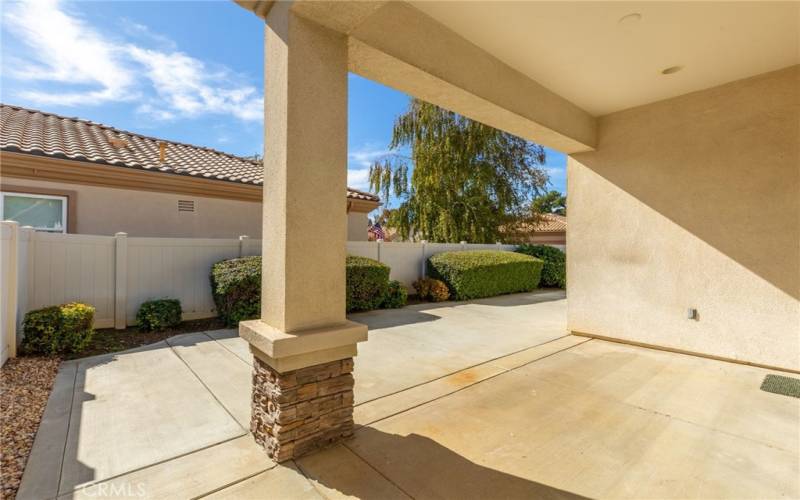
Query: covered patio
(661,135)
(488,399)
(665,109)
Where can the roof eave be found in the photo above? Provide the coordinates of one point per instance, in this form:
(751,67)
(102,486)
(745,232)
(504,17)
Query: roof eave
(259,7)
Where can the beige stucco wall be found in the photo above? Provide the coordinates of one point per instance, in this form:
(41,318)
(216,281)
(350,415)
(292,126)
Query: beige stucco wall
(357,225)
(105,211)
(693,202)
(545,238)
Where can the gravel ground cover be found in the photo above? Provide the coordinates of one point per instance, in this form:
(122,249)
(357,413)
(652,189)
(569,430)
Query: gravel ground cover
(26,383)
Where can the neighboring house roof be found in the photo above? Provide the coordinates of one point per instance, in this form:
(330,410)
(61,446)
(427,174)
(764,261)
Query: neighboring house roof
(361,195)
(548,223)
(45,134)
(549,227)
(551,223)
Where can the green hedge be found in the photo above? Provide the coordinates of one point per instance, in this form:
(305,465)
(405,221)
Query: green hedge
(554,271)
(63,329)
(396,296)
(157,315)
(485,273)
(236,288)
(367,283)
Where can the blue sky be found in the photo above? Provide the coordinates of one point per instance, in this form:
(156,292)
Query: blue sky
(183,71)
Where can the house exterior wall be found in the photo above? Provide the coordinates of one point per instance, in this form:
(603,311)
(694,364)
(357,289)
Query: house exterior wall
(693,202)
(539,238)
(357,223)
(550,239)
(106,211)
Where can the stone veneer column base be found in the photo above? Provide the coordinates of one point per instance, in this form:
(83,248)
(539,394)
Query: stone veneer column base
(300,411)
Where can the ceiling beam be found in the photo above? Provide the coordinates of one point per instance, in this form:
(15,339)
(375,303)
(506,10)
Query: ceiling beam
(397,45)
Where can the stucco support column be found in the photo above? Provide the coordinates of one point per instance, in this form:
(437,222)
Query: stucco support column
(303,344)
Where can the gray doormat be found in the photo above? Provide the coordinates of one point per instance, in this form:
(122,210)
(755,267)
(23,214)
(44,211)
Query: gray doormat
(785,386)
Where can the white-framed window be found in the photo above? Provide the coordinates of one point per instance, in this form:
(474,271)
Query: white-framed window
(43,212)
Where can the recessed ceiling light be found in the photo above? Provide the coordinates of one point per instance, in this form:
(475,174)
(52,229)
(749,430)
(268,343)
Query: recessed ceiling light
(630,19)
(671,70)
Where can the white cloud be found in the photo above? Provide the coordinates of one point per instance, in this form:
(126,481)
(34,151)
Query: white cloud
(65,49)
(358,178)
(365,156)
(185,85)
(155,112)
(359,161)
(169,84)
(142,32)
(556,172)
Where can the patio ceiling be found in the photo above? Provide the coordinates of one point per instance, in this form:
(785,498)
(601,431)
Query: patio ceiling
(604,58)
(424,59)
(544,70)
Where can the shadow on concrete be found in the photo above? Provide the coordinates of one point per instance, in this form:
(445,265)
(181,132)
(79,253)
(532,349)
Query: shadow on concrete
(392,317)
(423,468)
(510,300)
(74,472)
(104,359)
(523,299)
(54,466)
(79,472)
(224,333)
(418,313)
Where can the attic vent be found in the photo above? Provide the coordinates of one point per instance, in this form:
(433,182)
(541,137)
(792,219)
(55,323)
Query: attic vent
(185,206)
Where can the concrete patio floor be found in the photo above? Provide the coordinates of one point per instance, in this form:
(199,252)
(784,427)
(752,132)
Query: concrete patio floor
(488,399)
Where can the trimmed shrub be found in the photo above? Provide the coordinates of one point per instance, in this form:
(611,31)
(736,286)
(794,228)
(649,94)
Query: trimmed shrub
(485,273)
(554,271)
(63,329)
(431,289)
(396,296)
(367,283)
(157,315)
(236,288)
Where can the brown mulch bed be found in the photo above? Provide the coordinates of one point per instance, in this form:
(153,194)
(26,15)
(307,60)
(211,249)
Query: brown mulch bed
(109,340)
(26,384)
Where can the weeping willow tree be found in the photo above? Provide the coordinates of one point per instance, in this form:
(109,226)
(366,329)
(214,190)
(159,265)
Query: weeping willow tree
(469,182)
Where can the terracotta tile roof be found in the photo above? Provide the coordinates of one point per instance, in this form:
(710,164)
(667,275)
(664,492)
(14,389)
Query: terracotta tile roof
(551,223)
(361,195)
(46,134)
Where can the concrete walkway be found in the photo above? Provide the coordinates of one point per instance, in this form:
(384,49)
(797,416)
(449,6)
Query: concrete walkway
(458,400)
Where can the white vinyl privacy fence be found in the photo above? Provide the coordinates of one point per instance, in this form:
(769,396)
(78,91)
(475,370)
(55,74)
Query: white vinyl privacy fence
(115,274)
(8,294)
